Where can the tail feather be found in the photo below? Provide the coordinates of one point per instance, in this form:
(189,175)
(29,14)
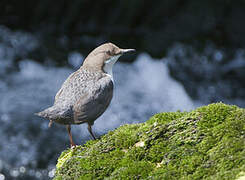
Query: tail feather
(42,114)
(57,114)
(47,113)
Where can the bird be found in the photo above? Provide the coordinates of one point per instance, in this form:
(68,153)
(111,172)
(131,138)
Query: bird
(86,93)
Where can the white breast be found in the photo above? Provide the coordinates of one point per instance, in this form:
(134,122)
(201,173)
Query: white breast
(109,64)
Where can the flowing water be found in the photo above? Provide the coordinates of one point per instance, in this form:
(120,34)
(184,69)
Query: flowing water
(28,148)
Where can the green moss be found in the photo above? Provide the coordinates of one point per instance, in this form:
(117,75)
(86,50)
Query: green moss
(207,143)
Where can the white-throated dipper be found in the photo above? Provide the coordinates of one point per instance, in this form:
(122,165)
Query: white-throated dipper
(86,93)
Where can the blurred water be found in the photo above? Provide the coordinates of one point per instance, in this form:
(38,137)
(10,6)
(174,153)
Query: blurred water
(28,148)
(142,89)
(209,75)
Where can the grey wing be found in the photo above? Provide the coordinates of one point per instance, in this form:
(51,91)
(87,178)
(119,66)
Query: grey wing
(74,87)
(94,103)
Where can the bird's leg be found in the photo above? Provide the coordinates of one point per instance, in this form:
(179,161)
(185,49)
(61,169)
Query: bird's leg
(90,131)
(68,127)
(50,123)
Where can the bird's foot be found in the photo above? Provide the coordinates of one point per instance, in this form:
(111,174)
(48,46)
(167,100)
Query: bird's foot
(73,146)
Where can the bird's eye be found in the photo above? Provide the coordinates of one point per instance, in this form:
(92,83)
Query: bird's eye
(108,52)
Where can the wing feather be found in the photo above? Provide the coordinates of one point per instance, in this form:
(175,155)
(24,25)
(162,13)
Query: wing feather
(87,93)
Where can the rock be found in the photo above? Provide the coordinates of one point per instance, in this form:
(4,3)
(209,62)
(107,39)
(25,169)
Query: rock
(206,143)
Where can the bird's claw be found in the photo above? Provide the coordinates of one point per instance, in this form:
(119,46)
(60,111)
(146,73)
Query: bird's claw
(73,146)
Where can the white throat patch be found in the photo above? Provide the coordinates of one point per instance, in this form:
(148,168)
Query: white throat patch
(109,64)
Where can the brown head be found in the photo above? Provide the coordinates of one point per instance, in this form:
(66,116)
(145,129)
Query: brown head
(103,57)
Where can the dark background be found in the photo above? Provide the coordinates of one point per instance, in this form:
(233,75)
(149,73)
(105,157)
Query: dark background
(201,41)
(148,26)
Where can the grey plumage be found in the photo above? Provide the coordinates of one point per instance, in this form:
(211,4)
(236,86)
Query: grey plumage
(83,97)
(86,93)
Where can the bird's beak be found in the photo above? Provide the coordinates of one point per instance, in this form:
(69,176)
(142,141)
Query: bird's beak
(127,50)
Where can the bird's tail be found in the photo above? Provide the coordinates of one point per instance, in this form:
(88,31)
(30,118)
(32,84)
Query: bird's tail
(46,114)
(42,114)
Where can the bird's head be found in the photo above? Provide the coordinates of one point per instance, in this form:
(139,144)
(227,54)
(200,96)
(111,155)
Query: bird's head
(104,57)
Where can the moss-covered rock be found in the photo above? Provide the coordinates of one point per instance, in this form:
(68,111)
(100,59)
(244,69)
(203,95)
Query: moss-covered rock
(207,143)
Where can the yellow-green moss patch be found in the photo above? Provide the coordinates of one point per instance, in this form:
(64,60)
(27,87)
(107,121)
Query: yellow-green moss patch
(207,143)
